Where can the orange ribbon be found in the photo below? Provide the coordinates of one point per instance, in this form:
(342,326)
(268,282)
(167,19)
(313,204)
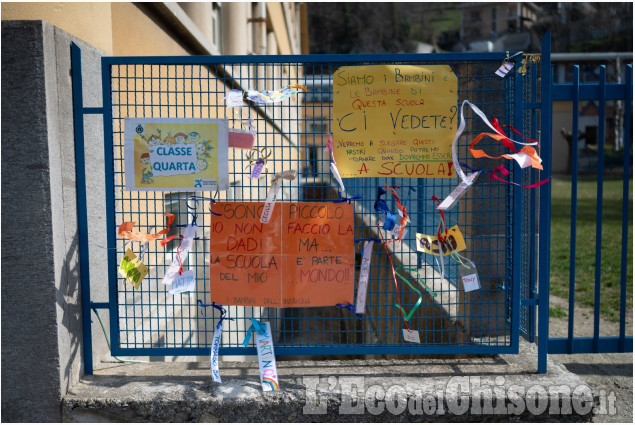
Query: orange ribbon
(529,151)
(125,231)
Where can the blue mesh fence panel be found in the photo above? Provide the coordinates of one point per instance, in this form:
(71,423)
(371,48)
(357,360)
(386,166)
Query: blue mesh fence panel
(150,321)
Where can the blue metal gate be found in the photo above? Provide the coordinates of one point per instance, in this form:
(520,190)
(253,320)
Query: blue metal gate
(602,93)
(500,220)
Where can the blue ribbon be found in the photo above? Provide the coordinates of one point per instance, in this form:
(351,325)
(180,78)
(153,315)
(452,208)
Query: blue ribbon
(345,199)
(462,164)
(350,307)
(381,206)
(210,208)
(256,325)
(390,222)
(410,189)
(223,311)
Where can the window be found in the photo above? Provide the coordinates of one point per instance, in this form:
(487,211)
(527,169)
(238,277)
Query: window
(177,204)
(319,128)
(312,161)
(216,20)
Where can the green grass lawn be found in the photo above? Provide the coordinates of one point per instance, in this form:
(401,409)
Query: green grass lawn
(585,246)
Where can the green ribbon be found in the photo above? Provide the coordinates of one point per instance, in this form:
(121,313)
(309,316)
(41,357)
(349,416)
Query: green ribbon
(420,280)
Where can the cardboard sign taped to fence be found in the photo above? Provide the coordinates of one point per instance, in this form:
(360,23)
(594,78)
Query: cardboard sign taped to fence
(303,257)
(394,120)
(176,154)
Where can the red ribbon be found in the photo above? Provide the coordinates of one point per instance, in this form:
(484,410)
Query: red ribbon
(401,207)
(507,142)
(178,254)
(440,237)
(503,171)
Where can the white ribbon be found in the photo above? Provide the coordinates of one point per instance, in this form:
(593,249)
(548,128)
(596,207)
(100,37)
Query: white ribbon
(274,190)
(336,173)
(218,333)
(362,287)
(186,245)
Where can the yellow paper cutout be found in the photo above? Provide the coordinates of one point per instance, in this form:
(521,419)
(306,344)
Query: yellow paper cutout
(394,120)
(132,269)
(430,244)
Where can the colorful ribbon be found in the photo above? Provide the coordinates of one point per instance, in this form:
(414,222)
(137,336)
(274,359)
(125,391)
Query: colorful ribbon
(329,147)
(417,304)
(267,96)
(334,170)
(234,98)
(419,279)
(125,230)
(504,69)
(527,156)
(259,163)
(460,130)
(403,212)
(394,275)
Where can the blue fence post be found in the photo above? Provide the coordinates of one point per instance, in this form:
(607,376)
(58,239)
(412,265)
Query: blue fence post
(517,215)
(109,172)
(82,215)
(545,205)
(598,213)
(574,202)
(628,117)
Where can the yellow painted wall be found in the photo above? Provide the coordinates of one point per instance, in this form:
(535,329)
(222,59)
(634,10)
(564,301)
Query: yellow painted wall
(135,34)
(91,22)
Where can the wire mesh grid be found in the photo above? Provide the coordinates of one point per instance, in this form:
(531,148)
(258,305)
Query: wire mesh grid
(151,321)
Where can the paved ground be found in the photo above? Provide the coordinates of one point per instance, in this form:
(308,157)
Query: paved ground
(602,372)
(395,390)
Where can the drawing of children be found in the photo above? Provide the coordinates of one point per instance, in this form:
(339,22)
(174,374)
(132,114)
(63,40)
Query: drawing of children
(169,140)
(202,149)
(194,136)
(154,141)
(180,138)
(201,164)
(146,172)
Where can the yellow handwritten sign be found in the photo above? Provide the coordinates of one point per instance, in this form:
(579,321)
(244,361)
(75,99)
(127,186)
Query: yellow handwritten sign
(430,244)
(394,120)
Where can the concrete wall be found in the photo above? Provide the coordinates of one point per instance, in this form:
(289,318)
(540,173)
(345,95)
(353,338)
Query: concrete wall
(41,313)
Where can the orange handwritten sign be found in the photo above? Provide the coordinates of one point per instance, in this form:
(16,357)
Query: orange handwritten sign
(303,257)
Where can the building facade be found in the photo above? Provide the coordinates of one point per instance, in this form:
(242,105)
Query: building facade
(42,352)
